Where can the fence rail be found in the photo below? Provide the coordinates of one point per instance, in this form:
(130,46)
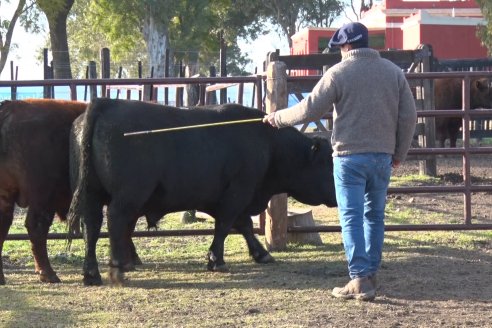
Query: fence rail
(466,151)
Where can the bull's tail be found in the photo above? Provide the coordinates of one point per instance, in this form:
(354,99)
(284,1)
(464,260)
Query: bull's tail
(78,203)
(5,111)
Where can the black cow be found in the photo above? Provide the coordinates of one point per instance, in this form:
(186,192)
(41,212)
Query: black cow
(448,95)
(227,171)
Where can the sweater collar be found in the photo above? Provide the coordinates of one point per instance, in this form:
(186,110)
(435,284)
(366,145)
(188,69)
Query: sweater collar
(360,53)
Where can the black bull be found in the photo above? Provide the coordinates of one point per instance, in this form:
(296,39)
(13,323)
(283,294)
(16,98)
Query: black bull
(229,172)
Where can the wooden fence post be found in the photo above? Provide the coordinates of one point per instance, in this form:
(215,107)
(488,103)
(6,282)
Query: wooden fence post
(223,66)
(276,216)
(92,75)
(13,90)
(211,97)
(48,90)
(105,70)
(428,166)
(166,74)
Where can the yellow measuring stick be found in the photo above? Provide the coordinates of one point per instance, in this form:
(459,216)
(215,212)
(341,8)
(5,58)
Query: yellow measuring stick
(193,126)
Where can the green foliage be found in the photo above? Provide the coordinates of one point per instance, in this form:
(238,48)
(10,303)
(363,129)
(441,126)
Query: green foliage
(485,31)
(193,27)
(289,16)
(52,8)
(90,28)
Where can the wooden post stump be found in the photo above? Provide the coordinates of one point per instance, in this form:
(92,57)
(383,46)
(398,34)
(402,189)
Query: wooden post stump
(302,219)
(276,214)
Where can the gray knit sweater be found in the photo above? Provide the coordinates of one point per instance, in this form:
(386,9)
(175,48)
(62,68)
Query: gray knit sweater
(373,107)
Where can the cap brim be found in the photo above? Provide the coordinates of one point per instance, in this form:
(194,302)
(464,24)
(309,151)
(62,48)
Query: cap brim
(335,41)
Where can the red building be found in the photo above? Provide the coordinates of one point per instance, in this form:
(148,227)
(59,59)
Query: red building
(449,26)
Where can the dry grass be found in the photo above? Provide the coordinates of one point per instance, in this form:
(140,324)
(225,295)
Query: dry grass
(429,279)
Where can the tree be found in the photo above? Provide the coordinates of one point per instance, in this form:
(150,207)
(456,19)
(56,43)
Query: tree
(27,18)
(291,15)
(56,12)
(357,12)
(90,29)
(320,13)
(190,28)
(485,31)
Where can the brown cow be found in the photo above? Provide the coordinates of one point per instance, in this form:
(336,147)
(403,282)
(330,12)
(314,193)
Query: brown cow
(34,170)
(448,95)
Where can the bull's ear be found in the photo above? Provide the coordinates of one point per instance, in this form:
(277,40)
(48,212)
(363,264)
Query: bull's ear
(315,146)
(314,149)
(481,85)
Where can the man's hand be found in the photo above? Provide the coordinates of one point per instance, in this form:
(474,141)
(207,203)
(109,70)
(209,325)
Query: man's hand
(270,119)
(395,163)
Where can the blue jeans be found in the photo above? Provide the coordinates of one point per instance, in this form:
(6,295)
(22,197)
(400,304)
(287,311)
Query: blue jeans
(361,182)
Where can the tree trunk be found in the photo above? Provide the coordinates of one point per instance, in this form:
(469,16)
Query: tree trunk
(59,47)
(157,41)
(57,22)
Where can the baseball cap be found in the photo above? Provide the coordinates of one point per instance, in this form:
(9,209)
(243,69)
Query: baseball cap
(353,32)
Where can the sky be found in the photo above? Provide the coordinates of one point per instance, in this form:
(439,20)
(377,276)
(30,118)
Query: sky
(28,44)
(24,57)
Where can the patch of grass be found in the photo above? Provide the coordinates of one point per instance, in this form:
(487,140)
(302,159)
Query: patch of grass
(413,180)
(469,240)
(174,289)
(397,214)
(420,272)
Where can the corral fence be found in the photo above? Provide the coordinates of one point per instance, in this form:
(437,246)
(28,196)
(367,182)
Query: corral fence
(421,69)
(278,85)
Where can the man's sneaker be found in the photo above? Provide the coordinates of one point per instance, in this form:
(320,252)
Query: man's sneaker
(361,289)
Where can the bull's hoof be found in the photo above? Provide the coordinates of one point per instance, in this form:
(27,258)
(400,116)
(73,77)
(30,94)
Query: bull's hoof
(51,277)
(137,261)
(116,276)
(128,267)
(92,280)
(215,267)
(264,259)
(2,280)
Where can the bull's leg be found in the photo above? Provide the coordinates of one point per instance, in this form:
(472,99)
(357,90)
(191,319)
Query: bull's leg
(442,142)
(244,225)
(134,255)
(92,218)
(454,130)
(38,224)
(134,259)
(453,136)
(121,221)
(6,218)
(230,209)
(215,254)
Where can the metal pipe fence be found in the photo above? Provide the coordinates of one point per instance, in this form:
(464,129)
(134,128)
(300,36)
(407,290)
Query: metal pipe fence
(466,151)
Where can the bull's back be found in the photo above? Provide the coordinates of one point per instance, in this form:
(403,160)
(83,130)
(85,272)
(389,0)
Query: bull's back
(34,154)
(448,93)
(200,161)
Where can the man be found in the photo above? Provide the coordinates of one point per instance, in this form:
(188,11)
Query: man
(374,120)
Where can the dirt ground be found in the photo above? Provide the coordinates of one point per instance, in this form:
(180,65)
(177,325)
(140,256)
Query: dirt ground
(450,173)
(428,279)
(439,284)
